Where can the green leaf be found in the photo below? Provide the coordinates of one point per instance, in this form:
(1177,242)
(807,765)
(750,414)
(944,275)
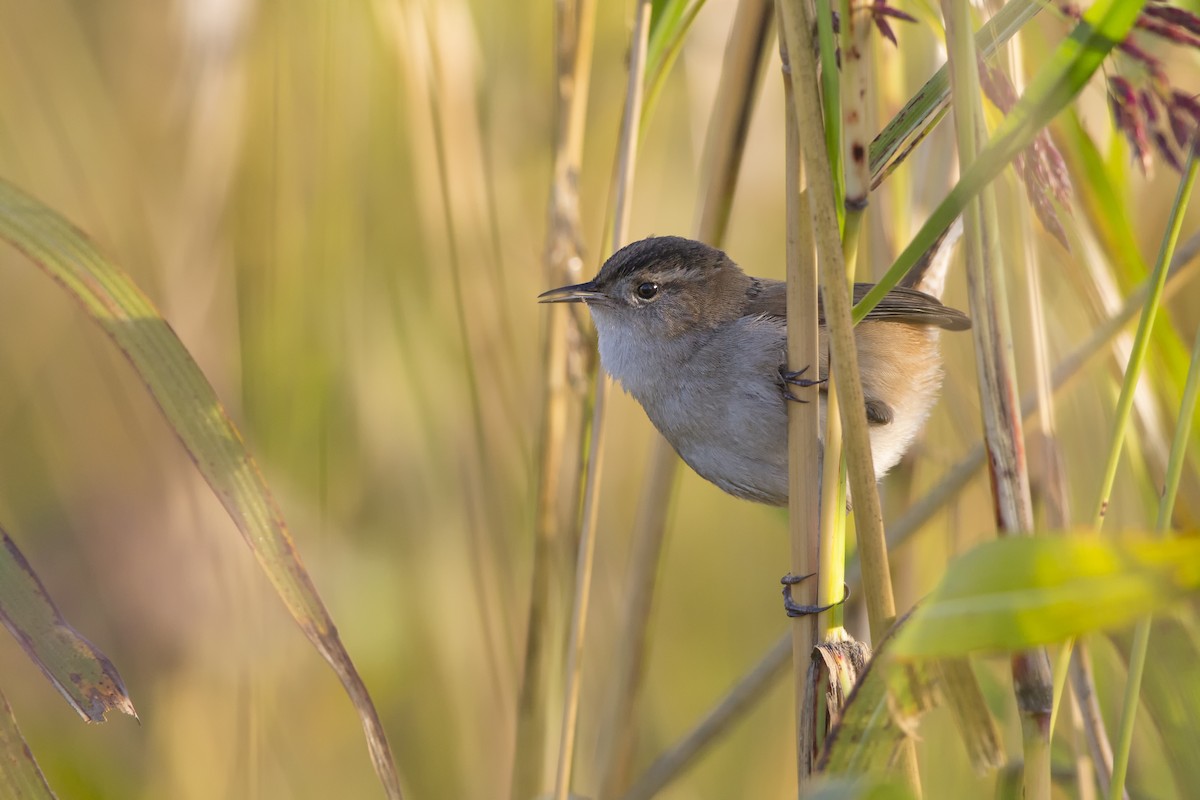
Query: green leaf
(1018,592)
(666,24)
(199,420)
(670,22)
(84,675)
(20,776)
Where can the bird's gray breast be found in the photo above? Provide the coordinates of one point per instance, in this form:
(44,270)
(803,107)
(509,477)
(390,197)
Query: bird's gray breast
(715,396)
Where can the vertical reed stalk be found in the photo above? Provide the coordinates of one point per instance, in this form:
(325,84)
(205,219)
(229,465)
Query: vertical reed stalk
(877,581)
(1085,784)
(797,27)
(831,548)
(569,360)
(724,145)
(584,564)
(854,159)
(803,478)
(1083,687)
(831,95)
(1001,409)
(626,166)
(856,130)
(1092,749)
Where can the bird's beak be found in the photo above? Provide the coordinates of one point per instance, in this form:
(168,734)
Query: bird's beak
(579,293)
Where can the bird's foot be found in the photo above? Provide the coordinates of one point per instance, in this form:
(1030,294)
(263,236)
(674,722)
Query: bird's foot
(788,378)
(795,609)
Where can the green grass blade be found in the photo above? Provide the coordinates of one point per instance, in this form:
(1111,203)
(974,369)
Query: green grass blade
(1104,25)
(1141,340)
(925,108)
(198,419)
(668,31)
(20,776)
(1100,195)
(1023,591)
(84,675)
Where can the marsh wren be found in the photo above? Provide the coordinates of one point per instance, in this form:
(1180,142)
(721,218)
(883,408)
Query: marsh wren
(701,346)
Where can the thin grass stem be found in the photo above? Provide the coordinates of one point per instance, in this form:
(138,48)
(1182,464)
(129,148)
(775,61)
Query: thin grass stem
(724,146)
(481,546)
(583,592)
(803,503)
(992,332)
(626,168)
(1141,342)
(1141,635)
(732,707)
(564,401)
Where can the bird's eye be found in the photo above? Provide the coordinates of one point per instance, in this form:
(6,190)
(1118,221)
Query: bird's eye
(647,291)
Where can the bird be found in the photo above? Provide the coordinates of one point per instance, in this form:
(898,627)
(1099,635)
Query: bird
(702,347)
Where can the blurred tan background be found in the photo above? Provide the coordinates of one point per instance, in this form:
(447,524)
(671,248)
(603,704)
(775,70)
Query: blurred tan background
(340,209)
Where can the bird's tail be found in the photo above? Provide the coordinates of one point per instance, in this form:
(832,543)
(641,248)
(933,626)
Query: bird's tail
(929,273)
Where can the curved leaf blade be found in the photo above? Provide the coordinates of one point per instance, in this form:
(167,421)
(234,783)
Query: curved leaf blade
(20,776)
(199,420)
(84,675)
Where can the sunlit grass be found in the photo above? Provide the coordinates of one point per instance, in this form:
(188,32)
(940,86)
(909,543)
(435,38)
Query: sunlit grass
(340,209)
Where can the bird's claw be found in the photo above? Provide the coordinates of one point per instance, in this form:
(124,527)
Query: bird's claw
(789,378)
(795,609)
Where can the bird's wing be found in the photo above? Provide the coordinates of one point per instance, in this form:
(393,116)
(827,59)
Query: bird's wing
(914,307)
(769,298)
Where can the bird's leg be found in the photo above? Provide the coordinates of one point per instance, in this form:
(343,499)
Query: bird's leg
(787,378)
(795,609)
